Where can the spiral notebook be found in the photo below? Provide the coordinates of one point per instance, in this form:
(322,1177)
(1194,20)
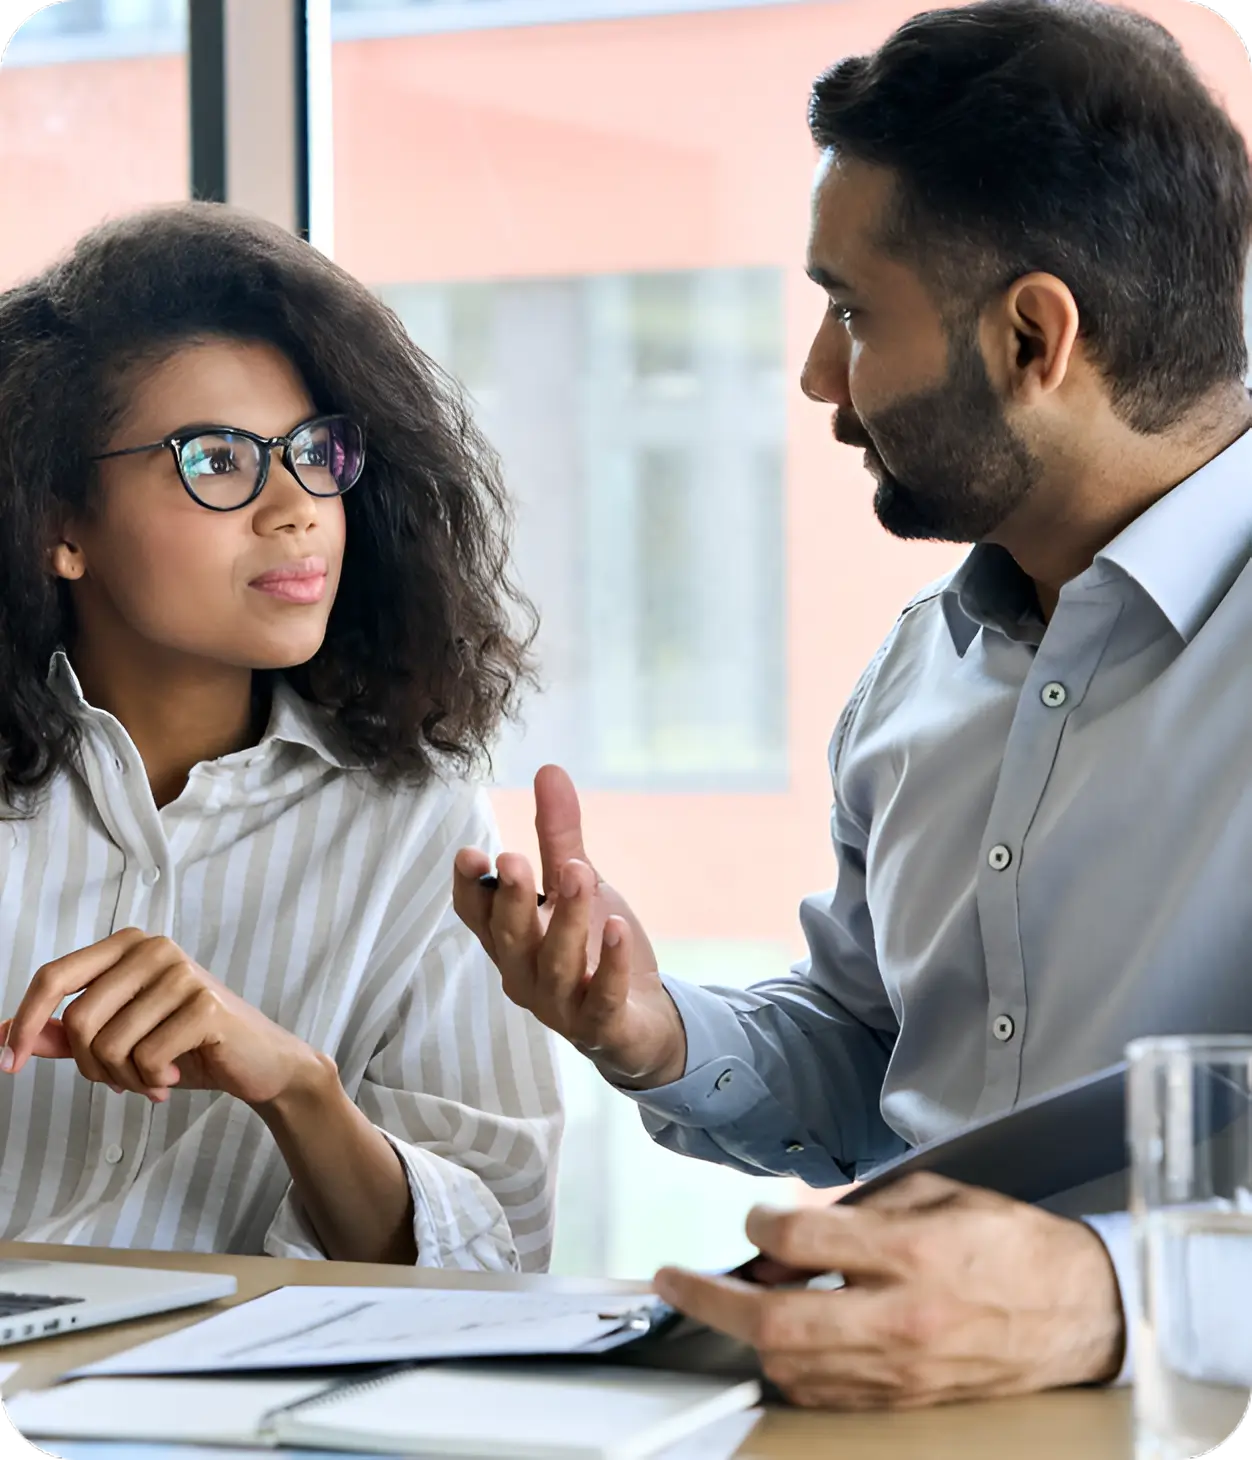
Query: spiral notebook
(476,1411)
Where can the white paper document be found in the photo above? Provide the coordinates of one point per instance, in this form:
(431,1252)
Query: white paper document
(297,1328)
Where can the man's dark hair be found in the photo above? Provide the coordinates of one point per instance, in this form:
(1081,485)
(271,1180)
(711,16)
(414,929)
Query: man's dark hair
(428,638)
(1072,138)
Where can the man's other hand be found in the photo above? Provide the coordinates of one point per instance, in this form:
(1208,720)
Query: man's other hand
(951,1293)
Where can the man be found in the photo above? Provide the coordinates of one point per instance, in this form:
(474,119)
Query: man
(1030,222)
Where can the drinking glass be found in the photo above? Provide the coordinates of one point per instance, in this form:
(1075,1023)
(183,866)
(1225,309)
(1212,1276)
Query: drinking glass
(1190,1125)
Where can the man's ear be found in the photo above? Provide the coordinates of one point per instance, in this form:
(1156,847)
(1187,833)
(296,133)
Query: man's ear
(66,560)
(1035,330)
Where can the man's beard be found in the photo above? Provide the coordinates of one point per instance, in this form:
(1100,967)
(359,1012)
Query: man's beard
(957,470)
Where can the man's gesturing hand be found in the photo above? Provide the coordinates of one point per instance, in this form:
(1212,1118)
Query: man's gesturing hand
(952,1293)
(583,964)
(147,1018)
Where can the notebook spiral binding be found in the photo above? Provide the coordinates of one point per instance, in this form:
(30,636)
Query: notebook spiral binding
(267,1428)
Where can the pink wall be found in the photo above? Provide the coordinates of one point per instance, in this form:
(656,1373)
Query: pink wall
(674,142)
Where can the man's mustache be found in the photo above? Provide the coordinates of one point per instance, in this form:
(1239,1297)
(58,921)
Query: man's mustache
(850,432)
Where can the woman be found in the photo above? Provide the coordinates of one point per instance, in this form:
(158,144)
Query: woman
(254,633)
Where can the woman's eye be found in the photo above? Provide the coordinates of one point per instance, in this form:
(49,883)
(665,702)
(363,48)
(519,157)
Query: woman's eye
(221,462)
(315,454)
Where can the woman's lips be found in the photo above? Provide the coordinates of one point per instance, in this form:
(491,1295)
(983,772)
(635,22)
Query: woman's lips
(300,582)
(295,590)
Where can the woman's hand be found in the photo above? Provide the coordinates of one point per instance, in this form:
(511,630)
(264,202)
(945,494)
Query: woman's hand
(146,1018)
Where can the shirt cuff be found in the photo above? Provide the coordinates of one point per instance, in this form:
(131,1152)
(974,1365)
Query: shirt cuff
(1114,1230)
(721,1109)
(719,1085)
(457,1223)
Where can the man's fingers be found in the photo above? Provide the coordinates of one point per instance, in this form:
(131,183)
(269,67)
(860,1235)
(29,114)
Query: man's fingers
(609,987)
(55,982)
(829,1328)
(470,899)
(855,1241)
(563,958)
(558,823)
(767,1273)
(921,1191)
(724,1303)
(514,925)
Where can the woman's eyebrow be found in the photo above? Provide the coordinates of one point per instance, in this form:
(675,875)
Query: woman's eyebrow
(192,428)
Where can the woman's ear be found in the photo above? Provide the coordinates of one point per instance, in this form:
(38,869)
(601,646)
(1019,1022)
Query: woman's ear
(66,560)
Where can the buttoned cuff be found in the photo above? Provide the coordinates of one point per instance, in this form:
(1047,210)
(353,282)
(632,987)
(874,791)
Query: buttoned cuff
(1113,1229)
(721,1096)
(718,1085)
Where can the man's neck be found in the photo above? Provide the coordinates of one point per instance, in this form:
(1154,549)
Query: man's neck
(179,711)
(1057,532)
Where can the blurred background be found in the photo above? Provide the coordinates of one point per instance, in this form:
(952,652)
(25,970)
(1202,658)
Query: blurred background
(593,212)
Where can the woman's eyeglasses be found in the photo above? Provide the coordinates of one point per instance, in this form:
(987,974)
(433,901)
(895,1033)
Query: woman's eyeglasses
(224,468)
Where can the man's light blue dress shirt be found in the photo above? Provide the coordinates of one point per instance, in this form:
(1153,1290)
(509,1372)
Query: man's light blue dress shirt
(1043,840)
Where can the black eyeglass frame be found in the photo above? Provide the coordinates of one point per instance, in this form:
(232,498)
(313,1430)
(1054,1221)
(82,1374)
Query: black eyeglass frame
(176,440)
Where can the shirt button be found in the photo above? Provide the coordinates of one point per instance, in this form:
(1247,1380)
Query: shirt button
(113,1154)
(999,857)
(794,1148)
(1003,1028)
(150,876)
(723,1080)
(1054,695)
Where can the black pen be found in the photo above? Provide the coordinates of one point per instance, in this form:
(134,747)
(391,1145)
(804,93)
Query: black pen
(490,881)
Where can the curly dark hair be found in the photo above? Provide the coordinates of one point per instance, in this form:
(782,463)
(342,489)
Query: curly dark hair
(428,642)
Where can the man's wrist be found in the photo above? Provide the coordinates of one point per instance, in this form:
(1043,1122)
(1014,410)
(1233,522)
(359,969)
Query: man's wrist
(1099,1352)
(672,1068)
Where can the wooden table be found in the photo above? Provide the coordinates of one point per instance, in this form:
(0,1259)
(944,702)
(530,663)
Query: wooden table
(1072,1425)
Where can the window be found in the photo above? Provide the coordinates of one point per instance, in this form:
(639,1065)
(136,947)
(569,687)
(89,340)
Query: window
(598,225)
(642,426)
(93,122)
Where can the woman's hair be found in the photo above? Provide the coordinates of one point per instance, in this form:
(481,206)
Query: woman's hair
(1073,138)
(427,643)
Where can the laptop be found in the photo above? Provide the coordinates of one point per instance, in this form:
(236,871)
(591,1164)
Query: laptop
(39,1299)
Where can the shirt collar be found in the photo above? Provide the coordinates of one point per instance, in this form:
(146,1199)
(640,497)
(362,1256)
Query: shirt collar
(293,721)
(1184,552)
(989,590)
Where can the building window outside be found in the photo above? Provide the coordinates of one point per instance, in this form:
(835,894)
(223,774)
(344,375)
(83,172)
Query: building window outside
(641,423)
(80,30)
(93,122)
